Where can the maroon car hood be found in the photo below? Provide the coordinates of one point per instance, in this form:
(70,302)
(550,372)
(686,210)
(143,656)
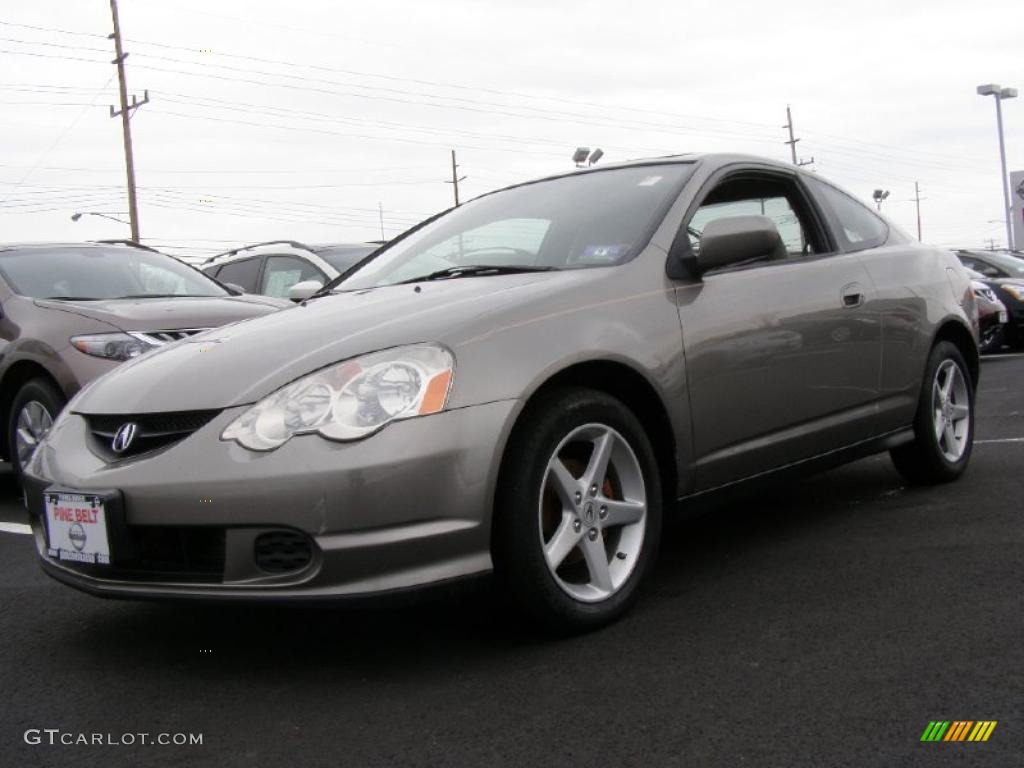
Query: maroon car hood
(170,313)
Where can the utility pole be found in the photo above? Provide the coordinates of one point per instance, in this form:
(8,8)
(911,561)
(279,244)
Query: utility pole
(917,201)
(380,206)
(455,179)
(792,140)
(126,113)
(991,244)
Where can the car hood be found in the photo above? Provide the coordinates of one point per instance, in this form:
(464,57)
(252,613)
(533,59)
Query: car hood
(242,363)
(1014,281)
(169,313)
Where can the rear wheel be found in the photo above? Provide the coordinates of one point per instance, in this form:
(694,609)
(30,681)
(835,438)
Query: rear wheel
(944,424)
(32,414)
(578,514)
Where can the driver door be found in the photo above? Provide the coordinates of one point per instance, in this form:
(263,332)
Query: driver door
(783,359)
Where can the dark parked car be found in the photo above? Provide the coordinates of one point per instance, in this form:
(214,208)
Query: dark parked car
(992,314)
(1004,274)
(71,312)
(521,385)
(273,268)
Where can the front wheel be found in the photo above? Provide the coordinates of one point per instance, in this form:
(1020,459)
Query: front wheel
(944,424)
(32,414)
(578,513)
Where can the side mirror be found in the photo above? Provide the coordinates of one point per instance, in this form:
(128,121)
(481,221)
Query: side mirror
(305,289)
(738,239)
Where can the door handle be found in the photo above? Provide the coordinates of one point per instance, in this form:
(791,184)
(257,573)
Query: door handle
(852,295)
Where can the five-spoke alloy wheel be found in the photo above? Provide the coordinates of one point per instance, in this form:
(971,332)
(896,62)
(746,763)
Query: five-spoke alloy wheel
(578,513)
(944,424)
(592,515)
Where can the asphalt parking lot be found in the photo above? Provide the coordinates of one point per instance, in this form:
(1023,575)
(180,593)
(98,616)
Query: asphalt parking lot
(825,622)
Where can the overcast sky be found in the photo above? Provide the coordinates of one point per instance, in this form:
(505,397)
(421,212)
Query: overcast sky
(294,120)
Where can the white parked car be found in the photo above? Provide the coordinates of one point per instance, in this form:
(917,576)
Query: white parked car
(273,268)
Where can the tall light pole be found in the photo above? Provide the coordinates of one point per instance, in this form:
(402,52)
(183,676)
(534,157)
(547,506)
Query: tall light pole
(879,196)
(1000,93)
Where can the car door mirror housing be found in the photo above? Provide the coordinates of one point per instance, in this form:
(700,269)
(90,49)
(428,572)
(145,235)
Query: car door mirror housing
(305,289)
(737,240)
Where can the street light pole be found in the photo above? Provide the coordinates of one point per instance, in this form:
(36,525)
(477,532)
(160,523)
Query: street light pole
(1000,94)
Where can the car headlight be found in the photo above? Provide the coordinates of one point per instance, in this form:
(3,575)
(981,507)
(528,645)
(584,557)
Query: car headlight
(112,346)
(1017,291)
(350,400)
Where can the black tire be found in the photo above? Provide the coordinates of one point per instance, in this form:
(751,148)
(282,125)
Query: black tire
(521,569)
(35,390)
(924,461)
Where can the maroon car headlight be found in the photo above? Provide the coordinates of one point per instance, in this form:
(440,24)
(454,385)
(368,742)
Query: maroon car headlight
(112,346)
(350,400)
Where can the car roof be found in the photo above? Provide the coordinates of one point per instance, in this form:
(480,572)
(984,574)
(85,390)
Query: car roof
(106,244)
(282,246)
(717,159)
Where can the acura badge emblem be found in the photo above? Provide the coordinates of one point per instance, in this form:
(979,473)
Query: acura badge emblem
(124,436)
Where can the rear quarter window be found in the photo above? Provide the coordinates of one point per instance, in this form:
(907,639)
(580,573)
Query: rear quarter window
(857,226)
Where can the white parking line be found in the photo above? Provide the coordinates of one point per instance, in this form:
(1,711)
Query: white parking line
(15,528)
(1003,440)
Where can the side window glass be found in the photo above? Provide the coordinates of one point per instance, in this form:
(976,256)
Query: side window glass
(858,225)
(282,272)
(241,273)
(756,197)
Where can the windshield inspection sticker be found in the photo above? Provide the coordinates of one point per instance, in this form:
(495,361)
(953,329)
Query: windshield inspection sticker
(649,181)
(603,253)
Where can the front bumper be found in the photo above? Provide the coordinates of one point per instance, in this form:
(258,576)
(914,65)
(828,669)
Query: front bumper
(407,507)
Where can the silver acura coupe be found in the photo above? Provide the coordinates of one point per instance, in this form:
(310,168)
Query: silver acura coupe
(523,385)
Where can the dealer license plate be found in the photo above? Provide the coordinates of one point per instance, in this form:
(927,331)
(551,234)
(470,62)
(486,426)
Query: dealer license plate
(1004,317)
(76,526)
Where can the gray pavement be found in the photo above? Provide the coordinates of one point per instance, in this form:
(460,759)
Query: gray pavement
(823,622)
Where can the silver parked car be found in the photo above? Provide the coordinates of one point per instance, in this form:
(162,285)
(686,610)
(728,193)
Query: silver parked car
(524,384)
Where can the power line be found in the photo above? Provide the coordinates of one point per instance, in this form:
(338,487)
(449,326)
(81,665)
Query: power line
(62,134)
(52,29)
(442,84)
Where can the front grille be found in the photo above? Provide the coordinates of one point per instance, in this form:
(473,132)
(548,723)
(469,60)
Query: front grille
(282,551)
(158,338)
(153,430)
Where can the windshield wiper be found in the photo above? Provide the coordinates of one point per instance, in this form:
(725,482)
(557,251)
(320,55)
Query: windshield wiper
(474,270)
(163,296)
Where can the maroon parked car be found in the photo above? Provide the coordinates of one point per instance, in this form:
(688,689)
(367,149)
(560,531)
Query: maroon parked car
(71,312)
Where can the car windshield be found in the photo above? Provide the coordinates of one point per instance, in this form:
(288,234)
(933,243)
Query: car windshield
(343,257)
(585,220)
(101,273)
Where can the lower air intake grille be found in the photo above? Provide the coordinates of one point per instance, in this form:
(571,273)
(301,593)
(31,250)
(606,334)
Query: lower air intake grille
(282,551)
